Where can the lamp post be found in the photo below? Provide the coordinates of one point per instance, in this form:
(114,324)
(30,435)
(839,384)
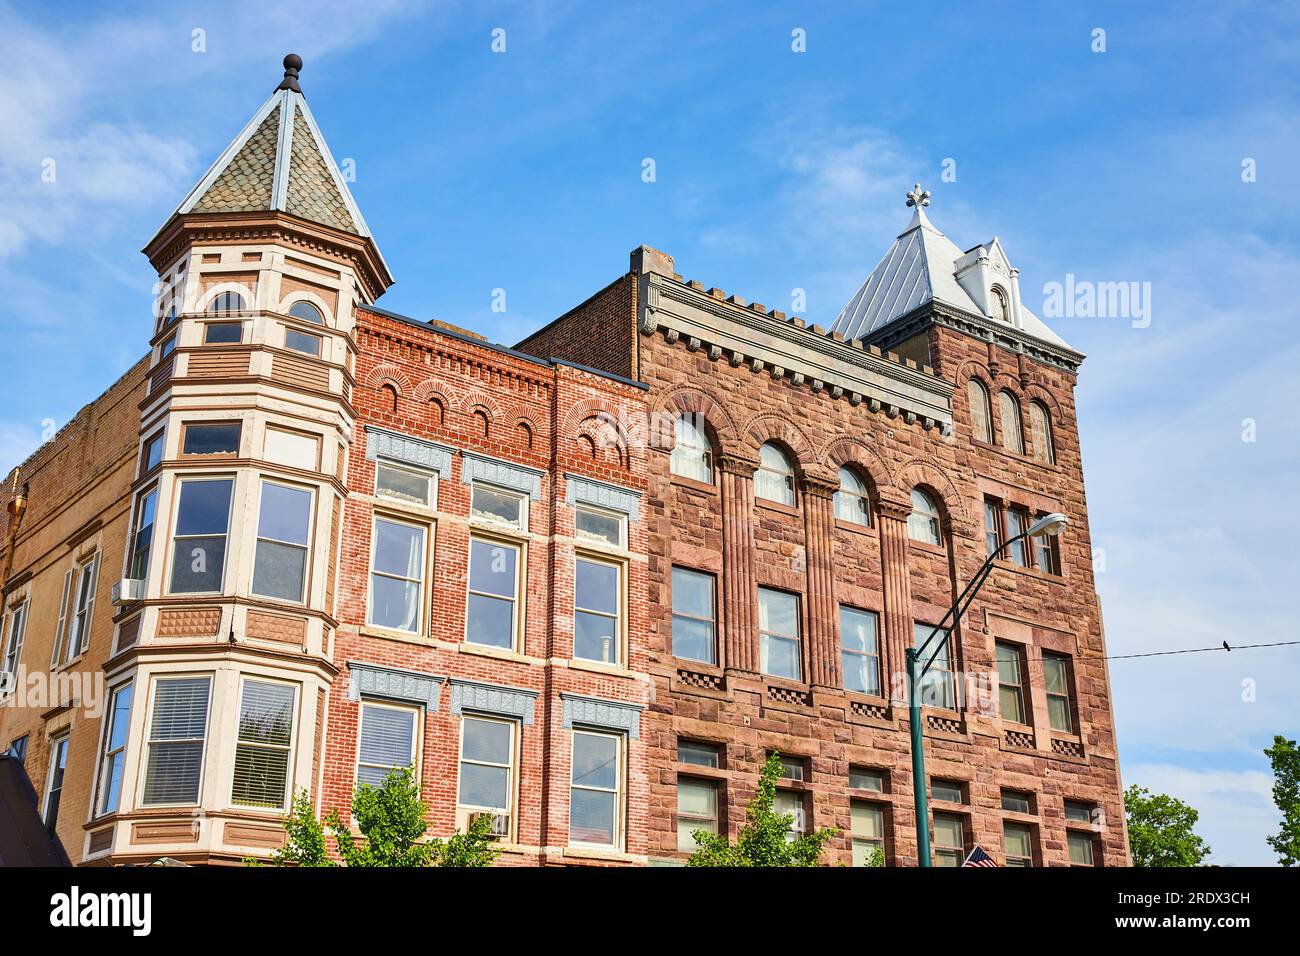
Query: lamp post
(1049,525)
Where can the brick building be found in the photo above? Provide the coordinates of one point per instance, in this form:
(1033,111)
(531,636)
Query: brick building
(584,584)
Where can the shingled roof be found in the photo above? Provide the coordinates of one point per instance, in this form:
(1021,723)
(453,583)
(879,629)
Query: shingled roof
(279,161)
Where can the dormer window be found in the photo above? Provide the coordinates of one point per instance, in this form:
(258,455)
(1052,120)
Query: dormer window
(998,305)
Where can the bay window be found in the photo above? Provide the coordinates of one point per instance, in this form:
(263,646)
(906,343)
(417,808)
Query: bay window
(202,527)
(263,741)
(284,523)
(177,735)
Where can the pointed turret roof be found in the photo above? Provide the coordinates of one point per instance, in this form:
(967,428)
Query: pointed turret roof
(279,162)
(922,266)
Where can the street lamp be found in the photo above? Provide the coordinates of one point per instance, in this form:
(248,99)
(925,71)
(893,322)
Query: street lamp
(1046,526)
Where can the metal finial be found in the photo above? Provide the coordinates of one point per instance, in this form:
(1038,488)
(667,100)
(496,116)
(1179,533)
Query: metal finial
(918,197)
(292,64)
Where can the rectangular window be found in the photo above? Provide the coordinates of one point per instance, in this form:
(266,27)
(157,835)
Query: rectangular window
(167,348)
(54,783)
(864,778)
(949,840)
(303,342)
(778,634)
(262,748)
(859,651)
(992,525)
(949,791)
(936,688)
(13,648)
(60,629)
(699,754)
(497,504)
(1056,675)
(487,749)
(1011,683)
(202,524)
(1078,811)
(18,747)
(1017,801)
(493,593)
(791,803)
(223,333)
(1080,847)
(110,771)
(283,526)
(177,733)
(793,768)
(397,575)
(152,453)
(593,524)
(1045,554)
(1018,843)
(1018,524)
(83,609)
(292,449)
(408,485)
(146,516)
(595,795)
(386,742)
(693,616)
(221,438)
(597,634)
(697,809)
(868,830)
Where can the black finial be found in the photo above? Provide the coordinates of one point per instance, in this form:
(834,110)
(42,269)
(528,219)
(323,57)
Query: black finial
(292,64)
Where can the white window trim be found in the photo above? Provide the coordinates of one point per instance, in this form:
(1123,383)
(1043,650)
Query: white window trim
(64,739)
(102,779)
(304,586)
(587,540)
(424,529)
(143,781)
(417,734)
(620,788)
(512,768)
(428,474)
(517,599)
(176,515)
(494,522)
(14,635)
(620,648)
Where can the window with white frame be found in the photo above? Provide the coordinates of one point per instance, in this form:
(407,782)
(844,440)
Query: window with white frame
(262,746)
(774,479)
(178,731)
(778,633)
(852,502)
(600,526)
(82,611)
(493,593)
(114,762)
(487,758)
(225,303)
(596,786)
(597,603)
(303,342)
(54,781)
(302,309)
(859,650)
(501,505)
(936,688)
(202,527)
(13,648)
(791,803)
(694,617)
(283,530)
(949,839)
(397,575)
(867,828)
(146,518)
(924,523)
(697,809)
(692,455)
(412,486)
(386,741)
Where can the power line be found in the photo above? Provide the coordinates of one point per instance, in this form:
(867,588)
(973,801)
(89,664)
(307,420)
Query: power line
(1200,650)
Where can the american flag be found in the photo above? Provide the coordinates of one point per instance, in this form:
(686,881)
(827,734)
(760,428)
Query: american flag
(979,858)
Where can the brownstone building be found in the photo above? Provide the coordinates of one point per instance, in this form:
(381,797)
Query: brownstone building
(583,585)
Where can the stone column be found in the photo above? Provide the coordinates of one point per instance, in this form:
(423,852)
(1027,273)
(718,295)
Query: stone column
(819,546)
(739,590)
(898,595)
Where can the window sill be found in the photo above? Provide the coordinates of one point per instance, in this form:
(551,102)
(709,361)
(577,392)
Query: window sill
(407,509)
(610,854)
(692,484)
(500,653)
(1011,566)
(779,507)
(598,667)
(391,634)
(854,528)
(925,547)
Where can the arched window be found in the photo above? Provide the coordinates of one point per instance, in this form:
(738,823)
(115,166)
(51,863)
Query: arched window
(851,501)
(774,480)
(302,309)
(227,302)
(998,305)
(981,419)
(923,524)
(692,457)
(1013,437)
(1040,425)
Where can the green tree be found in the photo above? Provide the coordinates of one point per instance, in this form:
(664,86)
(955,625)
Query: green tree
(1160,830)
(391,818)
(764,839)
(1285,757)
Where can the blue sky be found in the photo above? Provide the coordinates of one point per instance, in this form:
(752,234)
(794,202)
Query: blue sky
(774,170)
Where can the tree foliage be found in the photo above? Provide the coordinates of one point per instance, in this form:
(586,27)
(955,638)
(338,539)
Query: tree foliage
(764,839)
(1160,830)
(391,821)
(1285,757)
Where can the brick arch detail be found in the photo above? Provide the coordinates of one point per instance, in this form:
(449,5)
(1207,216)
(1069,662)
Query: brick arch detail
(847,450)
(388,374)
(928,472)
(774,427)
(599,428)
(476,399)
(1035,392)
(688,399)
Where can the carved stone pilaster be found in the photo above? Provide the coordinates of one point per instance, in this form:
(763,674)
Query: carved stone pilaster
(898,597)
(819,533)
(739,589)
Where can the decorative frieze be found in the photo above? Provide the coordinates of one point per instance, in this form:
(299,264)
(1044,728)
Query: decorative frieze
(382,443)
(497,699)
(591,492)
(506,474)
(606,714)
(373,681)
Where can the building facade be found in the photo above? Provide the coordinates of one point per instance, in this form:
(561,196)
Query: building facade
(584,585)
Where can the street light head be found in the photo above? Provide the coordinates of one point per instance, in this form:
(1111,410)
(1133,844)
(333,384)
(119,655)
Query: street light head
(1050,525)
